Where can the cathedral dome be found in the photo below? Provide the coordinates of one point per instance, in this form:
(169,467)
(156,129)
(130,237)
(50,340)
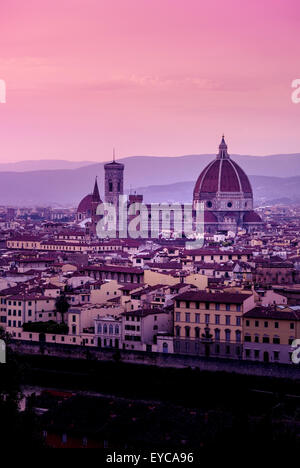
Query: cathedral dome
(252,217)
(222,176)
(85,205)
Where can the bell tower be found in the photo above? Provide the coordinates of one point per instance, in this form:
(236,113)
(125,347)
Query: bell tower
(114,174)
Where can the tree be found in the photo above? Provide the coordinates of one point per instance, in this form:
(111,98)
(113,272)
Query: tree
(62,306)
(17,429)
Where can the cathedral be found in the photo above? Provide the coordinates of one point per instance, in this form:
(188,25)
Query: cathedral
(226,192)
(222,187)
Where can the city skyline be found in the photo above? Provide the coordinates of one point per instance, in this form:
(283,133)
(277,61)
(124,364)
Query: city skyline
(160,79)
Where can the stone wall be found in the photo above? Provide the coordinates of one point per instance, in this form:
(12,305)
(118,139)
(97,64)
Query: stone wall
(287,371)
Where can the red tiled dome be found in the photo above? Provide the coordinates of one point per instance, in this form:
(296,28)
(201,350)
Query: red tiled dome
(209,217)
(222,175)
(251,217)
(86,204)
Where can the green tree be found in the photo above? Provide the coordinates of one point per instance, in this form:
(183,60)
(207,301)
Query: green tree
(17,429)
(62,306)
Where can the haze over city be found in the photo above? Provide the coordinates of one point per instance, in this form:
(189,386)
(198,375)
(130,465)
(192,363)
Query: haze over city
(150,227)
(151,78)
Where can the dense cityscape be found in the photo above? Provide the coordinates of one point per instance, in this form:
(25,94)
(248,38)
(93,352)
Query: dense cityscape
(150,229)
(67,293)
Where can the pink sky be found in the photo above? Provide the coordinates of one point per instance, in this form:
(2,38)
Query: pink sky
(155,77)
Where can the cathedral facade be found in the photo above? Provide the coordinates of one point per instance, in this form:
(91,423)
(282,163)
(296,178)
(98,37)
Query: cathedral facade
(227,195)
(222,187)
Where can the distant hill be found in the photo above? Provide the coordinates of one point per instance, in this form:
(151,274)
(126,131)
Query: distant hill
(156,175)
(42,165)
(266,190)
(178,168)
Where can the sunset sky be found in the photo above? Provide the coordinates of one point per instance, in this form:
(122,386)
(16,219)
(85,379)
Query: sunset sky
(150,77)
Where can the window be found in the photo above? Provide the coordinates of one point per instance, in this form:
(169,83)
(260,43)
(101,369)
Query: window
(117,329)
(266,324)
(187,317)
(266,339)
(248,338)
(187,332)
(177,331)
(256,339)
(256,323)
(238,308)
(105,328)
(276,324)
(247,323)
(197,332)
(217,319)
(177,316)
(276,355)
(248,353)
(217,334)
(292,326)
(227,319)
(238,321)
(217,306)
(256,354)
(197,318)
(227,335)
(227,307)
(207,305)
(238,336)
(206,318)
(99,328)
(187,304)
(111,329)
(276,340)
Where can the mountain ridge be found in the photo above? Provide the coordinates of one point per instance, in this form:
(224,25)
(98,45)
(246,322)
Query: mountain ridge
(69,186)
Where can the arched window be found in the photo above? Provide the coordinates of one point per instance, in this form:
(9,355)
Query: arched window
(187,332)
(117,329)
(105,328)
(227,335)
(177,330)
(217,334)
(238,336)
(99,328)
(197,332)
(111,329)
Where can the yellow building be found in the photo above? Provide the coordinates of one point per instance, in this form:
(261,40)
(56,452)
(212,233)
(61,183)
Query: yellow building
(268,333)
(210,324)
